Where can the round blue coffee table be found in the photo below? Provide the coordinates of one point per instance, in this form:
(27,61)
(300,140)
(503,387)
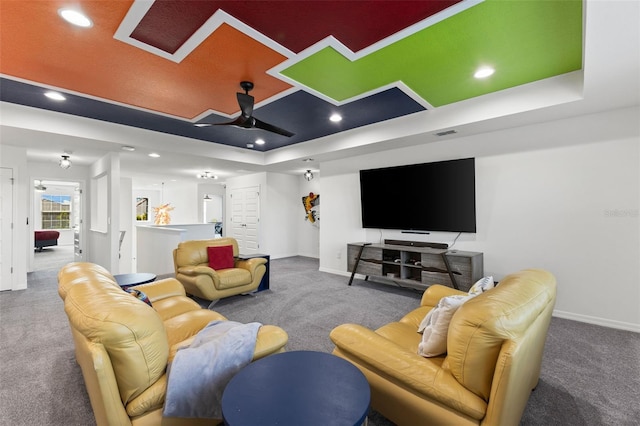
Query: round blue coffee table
(297,388)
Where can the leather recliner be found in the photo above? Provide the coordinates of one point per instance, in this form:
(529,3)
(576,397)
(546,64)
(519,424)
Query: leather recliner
(494,353)
(123,345)
(191,263)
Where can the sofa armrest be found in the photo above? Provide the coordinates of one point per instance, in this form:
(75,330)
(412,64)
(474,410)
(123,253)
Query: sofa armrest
(162,289)
(150,399)
(434,293)
(193,271)
(407,369)
(250,264)
(270,340)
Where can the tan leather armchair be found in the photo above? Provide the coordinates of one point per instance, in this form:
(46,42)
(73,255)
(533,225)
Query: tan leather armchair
(192,269)
(123,345)
(495,344)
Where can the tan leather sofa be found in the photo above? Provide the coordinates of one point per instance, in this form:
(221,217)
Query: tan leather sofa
(124,346)
(192,269)
(495,344)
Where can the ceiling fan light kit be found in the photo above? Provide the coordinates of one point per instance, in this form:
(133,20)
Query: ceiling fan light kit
(206,175)
(246,120)
(308,175)
(65,163)
(40,187)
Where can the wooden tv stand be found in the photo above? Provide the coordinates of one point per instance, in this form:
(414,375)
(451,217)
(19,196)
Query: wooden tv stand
(413,266)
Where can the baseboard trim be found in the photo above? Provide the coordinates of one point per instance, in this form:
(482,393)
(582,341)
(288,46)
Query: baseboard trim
(627,326)
(619,325)
(339,272)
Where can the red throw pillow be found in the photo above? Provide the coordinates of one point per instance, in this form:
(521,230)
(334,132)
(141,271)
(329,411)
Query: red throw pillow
(220,257)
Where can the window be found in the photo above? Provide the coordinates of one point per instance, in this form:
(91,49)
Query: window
(142,209)
(56,211)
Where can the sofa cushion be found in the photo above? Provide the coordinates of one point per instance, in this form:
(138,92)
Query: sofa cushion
(174,306)
(220,257)
(234,277)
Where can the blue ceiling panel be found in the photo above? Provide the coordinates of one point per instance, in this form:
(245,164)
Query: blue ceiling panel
(301,113)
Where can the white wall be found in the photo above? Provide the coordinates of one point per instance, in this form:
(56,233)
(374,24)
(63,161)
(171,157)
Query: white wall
(569,207)
(127,219)
(184,200)
(278,215)
(103,243)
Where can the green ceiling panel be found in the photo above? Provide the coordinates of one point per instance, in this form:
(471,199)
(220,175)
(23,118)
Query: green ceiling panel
(524,41)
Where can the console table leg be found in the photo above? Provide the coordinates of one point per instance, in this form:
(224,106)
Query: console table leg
(355,266)
(451,275)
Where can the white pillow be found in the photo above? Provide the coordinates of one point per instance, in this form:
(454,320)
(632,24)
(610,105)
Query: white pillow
(482,285)
(434,336)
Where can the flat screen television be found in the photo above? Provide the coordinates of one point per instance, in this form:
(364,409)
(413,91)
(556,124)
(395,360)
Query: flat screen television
(438,196)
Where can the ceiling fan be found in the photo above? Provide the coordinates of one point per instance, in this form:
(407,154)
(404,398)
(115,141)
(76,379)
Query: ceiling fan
(246,120)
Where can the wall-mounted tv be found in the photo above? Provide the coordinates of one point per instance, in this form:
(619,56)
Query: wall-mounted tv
(438,196)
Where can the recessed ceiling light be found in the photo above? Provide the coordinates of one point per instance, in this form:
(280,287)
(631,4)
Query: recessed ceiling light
(260,141)
(55,96)
(249,145)
(483,72)
(335,118)
(154,155)
(75,17)
(128,148)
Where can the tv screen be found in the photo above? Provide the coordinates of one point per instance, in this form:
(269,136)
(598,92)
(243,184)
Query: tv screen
(439,196)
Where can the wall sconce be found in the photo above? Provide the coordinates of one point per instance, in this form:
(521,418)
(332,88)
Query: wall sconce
(308,175)
(206,175)
(65,163)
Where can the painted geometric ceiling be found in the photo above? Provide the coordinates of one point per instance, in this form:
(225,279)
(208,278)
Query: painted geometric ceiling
(167,65)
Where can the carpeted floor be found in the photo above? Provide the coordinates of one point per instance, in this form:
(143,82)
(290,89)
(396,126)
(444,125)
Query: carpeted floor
(590,374)
(54,257)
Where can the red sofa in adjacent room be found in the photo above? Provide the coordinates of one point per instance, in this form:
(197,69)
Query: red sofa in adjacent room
(46,239)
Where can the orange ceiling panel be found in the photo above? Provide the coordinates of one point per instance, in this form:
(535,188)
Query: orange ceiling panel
(92,62)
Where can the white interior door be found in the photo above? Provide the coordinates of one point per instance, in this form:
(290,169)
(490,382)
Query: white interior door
(245,218)
(6,228)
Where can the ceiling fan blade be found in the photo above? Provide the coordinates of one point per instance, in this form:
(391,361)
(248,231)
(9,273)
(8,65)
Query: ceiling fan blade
(240,121)
(271,128)
(246,104)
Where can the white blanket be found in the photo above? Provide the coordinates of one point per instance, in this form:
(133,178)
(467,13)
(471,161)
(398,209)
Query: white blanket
(200,372)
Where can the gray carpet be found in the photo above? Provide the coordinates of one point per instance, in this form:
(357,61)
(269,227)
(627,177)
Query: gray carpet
(590,374)
(54,257)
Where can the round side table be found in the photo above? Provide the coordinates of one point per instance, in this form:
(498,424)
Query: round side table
(297,388)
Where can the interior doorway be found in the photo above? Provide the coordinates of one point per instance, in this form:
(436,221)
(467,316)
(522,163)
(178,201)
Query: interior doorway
(56,208)
(213,212)
(245,218)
